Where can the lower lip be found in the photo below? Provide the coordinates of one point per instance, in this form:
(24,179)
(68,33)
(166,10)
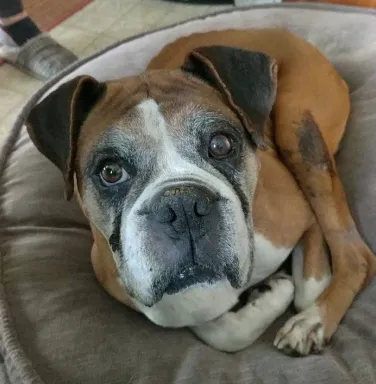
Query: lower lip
(191,276)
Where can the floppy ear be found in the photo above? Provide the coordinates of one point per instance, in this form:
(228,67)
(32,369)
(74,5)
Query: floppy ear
(247,79)
(54,124)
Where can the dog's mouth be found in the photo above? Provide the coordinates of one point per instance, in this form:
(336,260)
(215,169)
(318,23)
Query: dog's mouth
(192,275)
(198,274)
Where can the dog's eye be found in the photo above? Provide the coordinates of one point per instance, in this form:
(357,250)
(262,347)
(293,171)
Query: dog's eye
(220,146)
(113,173)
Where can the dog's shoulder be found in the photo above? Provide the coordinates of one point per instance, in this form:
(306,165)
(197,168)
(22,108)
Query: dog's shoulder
(281,213)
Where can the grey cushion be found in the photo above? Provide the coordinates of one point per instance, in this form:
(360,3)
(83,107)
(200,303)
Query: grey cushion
(58,326)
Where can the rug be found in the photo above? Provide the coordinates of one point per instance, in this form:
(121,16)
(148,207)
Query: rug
(357,3)
(49,13)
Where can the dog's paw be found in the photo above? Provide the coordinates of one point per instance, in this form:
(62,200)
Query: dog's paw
(276,291)
(302,334)
(234,331)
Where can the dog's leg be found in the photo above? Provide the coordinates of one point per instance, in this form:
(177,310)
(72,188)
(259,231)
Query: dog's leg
(234,331)
(304,150)
(312,275)
(310,268)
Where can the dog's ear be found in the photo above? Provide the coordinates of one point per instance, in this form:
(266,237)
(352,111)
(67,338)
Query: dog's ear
(54,124)
(247,79)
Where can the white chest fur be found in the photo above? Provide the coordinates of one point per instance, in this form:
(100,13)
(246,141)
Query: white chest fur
(267,258)
(199,304)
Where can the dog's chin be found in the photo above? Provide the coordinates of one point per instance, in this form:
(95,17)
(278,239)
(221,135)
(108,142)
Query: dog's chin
(197,274)
(193,305)
(193,276)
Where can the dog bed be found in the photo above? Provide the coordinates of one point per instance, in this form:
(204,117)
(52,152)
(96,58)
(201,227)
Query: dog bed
(58,326)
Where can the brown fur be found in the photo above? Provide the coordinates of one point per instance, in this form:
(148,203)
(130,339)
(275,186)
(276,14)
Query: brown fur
(316,265)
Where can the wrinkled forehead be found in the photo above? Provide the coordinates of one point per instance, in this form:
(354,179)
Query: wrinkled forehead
(141,114)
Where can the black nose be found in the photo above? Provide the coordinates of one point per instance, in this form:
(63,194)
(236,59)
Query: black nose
(183,208)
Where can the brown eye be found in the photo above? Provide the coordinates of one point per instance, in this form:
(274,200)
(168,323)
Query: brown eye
(220,146)
(113,173)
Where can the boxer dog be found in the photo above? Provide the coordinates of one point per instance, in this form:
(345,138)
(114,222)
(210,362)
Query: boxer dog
(200,176)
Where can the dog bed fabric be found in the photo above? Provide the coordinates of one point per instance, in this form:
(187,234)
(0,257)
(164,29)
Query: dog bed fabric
(58,326)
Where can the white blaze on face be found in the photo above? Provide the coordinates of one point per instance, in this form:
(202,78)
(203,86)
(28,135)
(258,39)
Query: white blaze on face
(170,164)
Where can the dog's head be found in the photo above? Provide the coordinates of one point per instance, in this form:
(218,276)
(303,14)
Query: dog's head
(165,166)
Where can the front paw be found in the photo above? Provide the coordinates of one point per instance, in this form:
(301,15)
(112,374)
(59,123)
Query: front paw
(278,290)
(302,334)
(234,331)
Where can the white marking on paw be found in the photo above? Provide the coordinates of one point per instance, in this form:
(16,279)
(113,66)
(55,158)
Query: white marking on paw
(234,331)
(307,290)
(302,334)
(310,290)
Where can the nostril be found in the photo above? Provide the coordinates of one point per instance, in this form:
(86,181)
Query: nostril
(203,207)
(165,214)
